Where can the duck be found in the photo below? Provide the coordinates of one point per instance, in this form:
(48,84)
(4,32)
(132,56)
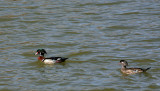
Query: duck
(49,60)
(126,70)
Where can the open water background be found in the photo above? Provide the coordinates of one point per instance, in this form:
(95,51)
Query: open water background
(93,34)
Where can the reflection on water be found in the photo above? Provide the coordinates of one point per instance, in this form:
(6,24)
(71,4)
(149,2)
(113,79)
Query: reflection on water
(95,35)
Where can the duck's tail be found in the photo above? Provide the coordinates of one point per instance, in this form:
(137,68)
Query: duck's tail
(147,69)
(64,59)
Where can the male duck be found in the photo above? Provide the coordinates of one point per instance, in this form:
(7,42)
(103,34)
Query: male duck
(126,70)
(50,60)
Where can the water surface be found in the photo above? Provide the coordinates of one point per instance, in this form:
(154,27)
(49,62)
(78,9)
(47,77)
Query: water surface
(93,34)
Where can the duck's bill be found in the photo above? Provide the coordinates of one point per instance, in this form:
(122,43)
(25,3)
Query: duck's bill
(36,53)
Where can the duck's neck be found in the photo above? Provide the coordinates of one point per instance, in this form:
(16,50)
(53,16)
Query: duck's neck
(41,58)
(124,67)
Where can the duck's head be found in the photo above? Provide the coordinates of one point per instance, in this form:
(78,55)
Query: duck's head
(123,63)
(41,52)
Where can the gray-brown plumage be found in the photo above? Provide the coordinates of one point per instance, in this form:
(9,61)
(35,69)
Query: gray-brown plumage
(126,70)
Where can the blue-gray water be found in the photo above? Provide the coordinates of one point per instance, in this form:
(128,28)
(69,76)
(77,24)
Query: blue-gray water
(93,34)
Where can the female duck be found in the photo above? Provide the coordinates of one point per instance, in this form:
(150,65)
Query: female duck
(50,60)
(126,70)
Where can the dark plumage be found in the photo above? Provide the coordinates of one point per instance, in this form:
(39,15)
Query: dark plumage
(126,70)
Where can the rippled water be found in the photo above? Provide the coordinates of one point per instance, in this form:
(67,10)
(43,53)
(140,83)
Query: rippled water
(94,34)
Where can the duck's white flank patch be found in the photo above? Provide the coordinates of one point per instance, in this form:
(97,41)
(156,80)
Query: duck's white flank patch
(49,61)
